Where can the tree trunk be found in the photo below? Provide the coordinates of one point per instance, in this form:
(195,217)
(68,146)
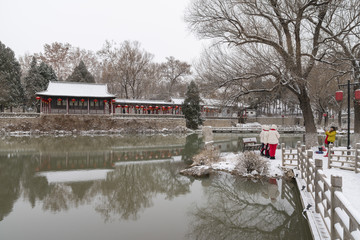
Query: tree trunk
(356,117)
(339,118)
(309,122)
(319,118)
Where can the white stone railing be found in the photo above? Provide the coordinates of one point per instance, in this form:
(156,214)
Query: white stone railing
(340,218)
(348,159)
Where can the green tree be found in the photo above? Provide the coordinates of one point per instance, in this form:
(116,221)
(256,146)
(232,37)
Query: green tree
(191,107)
(11,91)
(37,80)
(81,74)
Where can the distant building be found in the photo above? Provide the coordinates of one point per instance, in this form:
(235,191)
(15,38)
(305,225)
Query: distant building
(88,98)
(75,98)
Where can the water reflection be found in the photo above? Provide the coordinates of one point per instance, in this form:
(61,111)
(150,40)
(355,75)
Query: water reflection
(120,179)
(131,188)
(240,209)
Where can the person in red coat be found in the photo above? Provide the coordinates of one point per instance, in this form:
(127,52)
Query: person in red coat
(273,140)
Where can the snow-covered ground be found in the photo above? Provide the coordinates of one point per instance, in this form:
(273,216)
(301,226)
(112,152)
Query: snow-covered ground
(228,162)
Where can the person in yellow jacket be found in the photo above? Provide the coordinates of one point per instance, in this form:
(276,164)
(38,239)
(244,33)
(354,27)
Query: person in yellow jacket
(330,137)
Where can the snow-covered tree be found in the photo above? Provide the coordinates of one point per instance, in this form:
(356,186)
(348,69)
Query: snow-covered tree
(81,74)
(11,91)
(36,80)
(275,40)
(191,107)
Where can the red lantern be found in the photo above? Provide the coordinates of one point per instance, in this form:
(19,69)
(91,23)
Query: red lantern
(150,107)
(118,106)
(82,100)
(59,99)
(324,114)
(73,100)
(38,98)
(163,108)
(157,107)
(113,100)
(169,107)
(176,107)
(142,106)
(339,96)
(357,94)
(105,101)
(126,106)
(137,107)
(95,100)
(49,99)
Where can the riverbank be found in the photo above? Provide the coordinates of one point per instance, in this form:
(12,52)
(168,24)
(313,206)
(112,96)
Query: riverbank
(88,125)
(229,161)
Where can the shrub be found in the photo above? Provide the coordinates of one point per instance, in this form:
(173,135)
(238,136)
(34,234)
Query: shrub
(250,161)
(207,156)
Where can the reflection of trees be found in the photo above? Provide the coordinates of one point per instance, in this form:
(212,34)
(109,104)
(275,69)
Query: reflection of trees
(10,173)
(127,190)
(131,188)
(235,211)
(192,147)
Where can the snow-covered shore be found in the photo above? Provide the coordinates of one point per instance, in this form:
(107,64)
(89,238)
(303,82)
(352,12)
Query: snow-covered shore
(229,161)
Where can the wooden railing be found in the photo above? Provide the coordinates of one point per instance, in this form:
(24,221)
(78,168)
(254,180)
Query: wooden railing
(348,159)
(340,218)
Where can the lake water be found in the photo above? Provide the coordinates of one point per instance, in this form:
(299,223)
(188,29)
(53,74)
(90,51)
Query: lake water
(112,187)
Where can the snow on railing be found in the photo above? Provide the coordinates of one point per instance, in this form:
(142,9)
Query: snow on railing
(348,159)
(341,219)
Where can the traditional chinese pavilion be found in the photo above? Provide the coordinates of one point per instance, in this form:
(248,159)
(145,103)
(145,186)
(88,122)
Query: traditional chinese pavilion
(76,98)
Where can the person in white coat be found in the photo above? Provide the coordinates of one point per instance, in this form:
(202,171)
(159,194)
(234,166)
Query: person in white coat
(263,139)
(273,140)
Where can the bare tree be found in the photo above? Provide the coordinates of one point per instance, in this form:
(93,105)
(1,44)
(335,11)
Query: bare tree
(281,39)
(342,36)
(125,67)
(173,71)
(63,58)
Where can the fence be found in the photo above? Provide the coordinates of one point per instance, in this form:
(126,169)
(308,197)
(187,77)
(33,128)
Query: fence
(348,159)
(332,209)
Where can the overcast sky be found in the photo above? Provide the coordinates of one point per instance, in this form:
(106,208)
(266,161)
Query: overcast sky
(26,25)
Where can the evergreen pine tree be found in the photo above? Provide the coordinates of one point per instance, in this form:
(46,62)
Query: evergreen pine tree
(37,79)
(191,107)
(81,74)
(11,91)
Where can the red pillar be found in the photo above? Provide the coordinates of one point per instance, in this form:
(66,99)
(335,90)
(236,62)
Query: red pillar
(67,105)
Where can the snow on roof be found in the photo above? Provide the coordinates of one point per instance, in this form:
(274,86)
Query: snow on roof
(211,102)
(178,101)
(141,101)
(75,89)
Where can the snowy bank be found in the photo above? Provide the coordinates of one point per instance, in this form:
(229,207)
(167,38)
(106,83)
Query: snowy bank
(229,161)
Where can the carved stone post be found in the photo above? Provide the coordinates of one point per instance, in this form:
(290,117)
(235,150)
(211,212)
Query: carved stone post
(318,166)
(336,185)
